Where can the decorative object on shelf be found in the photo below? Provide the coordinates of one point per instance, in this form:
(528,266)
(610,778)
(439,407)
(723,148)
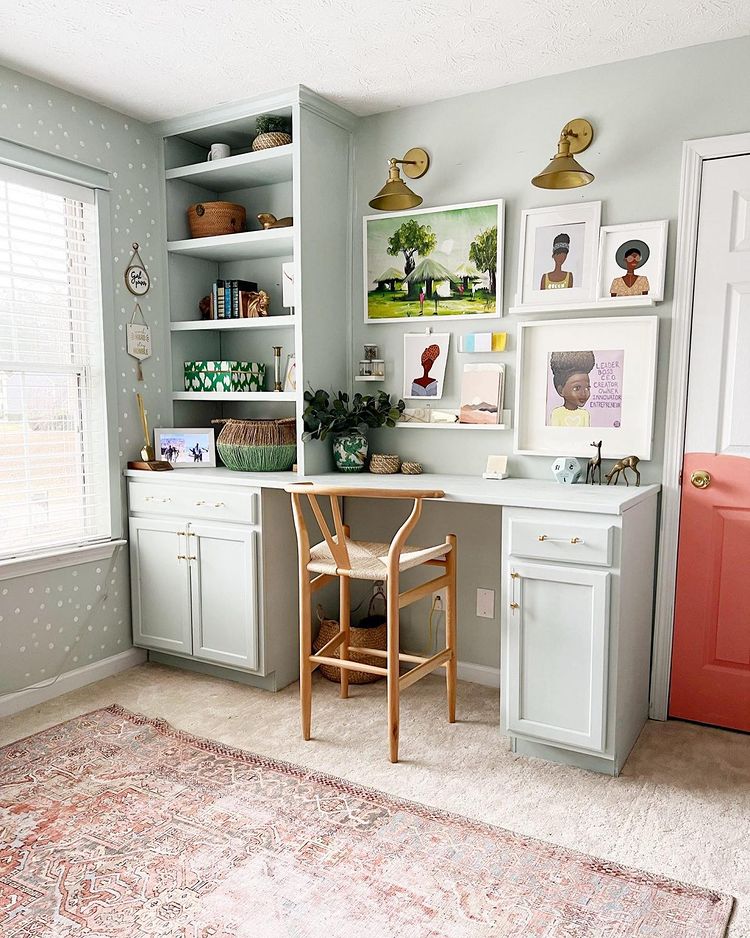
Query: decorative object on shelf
(253,304)
(425,358)
(138,339)
(370,632)
(416,415)
(365,368)
(277,383)
(219,151)
(444,416)
(378,367)
(621,467)
(409,468)
(137,279)
(370,352)
(594,466)
(147,460)
(209,219)
(579,374)
(347,421)
(271,131)
(290,374)
(470,237)
(268,221)
(210,376)
(205,307)
(567,470)
(482,387)
(483,342)
(557,260)
(191,448)
(230,299)
(257,445)
(384,463)
(497,468)
(287,285)
(563,172)
(395,194)
(632,260)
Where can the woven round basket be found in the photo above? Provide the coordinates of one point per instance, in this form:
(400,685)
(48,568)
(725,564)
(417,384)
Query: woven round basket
(257,445)
(383,463)
(363,638)
(411,468)
(269,140)
(215,218)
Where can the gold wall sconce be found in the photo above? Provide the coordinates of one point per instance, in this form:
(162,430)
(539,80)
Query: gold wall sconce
(395,194)
(563,172)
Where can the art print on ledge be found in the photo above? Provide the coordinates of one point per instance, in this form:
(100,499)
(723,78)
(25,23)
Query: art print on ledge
(582,376)
(442,262)
(425,358)
(186,448)
(632,260)
(557,260)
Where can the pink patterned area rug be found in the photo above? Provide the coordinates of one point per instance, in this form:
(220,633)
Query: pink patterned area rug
(114,825)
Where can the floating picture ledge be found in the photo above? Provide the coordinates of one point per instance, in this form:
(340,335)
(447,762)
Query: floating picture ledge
(623,302)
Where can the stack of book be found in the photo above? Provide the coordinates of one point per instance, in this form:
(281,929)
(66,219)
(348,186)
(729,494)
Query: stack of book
(227,298)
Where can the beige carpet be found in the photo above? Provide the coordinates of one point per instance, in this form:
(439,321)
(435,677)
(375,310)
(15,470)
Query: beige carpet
(681,807)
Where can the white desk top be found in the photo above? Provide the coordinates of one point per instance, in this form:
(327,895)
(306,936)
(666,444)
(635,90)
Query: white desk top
(520,493)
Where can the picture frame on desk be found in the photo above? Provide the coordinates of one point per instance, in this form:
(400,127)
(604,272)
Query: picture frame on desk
(186,447)
(578,377)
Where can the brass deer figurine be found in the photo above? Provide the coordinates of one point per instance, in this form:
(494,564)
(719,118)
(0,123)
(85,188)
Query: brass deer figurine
(595,464)
(630,462)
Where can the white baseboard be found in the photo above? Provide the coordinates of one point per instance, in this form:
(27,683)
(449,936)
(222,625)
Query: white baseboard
(71,680)
(478,674)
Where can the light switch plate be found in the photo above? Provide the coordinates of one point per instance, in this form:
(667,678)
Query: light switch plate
(486,604)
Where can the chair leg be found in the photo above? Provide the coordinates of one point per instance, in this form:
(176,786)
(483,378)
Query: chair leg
(392,612)
(305,650)
(344,615)
(451,666)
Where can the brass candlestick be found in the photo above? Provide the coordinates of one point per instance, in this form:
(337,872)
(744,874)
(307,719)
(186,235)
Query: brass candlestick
(277,386)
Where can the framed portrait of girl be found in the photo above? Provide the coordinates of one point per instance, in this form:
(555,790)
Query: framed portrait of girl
(557,260)
(632,262)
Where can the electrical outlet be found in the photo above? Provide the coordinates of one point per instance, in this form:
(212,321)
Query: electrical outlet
(438,601)
(486,604)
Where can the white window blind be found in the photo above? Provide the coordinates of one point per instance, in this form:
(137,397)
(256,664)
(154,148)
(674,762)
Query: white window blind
(54,476)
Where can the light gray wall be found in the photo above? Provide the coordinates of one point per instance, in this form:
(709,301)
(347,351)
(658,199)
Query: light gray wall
(85,609)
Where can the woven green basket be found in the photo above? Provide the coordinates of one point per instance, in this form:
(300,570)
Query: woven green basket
(257,445)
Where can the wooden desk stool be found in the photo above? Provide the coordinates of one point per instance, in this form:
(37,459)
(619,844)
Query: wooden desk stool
(339,556)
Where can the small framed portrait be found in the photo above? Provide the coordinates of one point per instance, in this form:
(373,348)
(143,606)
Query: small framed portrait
(632,260)
(586,378)
(557,260)
(191,448)
(425,358)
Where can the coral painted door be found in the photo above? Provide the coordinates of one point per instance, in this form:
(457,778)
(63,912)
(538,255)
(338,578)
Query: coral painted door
(711,648)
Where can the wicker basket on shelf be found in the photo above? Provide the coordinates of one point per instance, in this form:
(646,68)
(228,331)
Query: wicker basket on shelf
(383,463)
(257,445)
(207,219)
(411,468)
(269,140)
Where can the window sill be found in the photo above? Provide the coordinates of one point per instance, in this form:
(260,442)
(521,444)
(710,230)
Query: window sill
(70,557)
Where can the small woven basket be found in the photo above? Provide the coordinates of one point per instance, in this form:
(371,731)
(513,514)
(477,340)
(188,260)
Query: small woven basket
(269,140)
(257,445)
(215,218)
(383,463)
(374,636)
(411,468)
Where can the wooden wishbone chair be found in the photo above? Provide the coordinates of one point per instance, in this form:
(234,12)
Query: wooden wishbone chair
(339,556)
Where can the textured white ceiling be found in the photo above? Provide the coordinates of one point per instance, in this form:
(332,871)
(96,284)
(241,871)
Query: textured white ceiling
(161,58)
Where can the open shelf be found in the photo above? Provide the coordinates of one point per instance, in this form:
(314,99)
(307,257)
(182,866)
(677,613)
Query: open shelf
(614,302)
(208,325)
(276,242)
(266,396)
(409,425)
(239,172)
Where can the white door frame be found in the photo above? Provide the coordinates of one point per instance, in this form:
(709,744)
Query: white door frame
(694,152)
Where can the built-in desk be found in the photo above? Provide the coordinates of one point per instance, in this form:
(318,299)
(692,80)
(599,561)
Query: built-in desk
(576,593)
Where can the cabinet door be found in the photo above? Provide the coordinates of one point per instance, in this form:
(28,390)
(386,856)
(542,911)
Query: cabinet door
(224,591)
(555,668)
(160,578)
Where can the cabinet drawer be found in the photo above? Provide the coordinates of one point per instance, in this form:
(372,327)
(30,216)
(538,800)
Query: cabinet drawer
(561,536)
(215,502)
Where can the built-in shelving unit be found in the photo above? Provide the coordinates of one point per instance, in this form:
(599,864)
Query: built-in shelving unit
(206,325)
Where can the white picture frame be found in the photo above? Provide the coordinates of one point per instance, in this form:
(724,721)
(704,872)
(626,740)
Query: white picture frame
(647,236)
(184,440)
(290,372)
(455,228)
(544,229)
(424,371)
(633,393)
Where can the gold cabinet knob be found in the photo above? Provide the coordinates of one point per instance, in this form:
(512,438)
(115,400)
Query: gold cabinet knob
(514,606)
(700,478)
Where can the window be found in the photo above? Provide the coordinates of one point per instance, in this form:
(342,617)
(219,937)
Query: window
(54,473)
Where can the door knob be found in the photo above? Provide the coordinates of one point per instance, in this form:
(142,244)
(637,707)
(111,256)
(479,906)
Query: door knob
(700,478)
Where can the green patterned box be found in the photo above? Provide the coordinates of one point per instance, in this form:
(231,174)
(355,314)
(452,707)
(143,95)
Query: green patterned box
(210,376)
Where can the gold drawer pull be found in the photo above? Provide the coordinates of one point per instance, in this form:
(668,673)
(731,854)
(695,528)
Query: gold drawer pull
(542,537)
(219,505)
(562,540)
(576,540)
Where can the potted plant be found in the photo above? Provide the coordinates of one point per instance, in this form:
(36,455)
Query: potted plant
(347,422)
(271,132)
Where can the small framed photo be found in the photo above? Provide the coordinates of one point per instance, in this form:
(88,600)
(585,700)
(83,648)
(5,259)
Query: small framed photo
(191,448)
(557,260)
(425,358)
(445,261)
(290,374)
(632,260)
(580,379)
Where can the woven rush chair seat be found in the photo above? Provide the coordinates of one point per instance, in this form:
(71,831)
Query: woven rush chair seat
(369,559)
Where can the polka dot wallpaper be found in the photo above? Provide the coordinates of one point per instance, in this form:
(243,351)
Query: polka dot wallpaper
(64,619)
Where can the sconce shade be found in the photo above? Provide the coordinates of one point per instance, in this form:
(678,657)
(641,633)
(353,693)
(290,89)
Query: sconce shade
(563,171)
(396,195)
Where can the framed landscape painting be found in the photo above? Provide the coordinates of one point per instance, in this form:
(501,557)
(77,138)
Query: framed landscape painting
(442,262)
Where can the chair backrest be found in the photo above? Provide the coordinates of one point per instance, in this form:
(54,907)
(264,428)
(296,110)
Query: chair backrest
(337,545)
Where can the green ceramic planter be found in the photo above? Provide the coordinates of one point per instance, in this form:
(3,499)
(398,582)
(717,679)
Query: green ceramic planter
(350,451)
